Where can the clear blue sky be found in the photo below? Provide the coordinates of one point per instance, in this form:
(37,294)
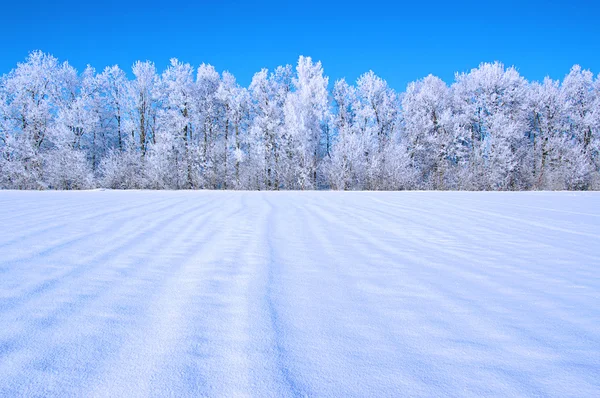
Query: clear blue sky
(400,42)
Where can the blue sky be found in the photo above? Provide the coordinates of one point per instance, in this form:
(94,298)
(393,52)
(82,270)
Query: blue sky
(400,42)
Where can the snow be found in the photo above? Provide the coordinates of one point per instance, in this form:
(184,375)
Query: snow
(200,293)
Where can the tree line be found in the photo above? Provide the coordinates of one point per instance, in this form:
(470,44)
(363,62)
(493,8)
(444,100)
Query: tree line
(195,128)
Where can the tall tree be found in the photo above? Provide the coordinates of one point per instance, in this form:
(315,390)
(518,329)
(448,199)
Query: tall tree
(194,128)
(376,110)
(306,115)
(144,109)
(427,118)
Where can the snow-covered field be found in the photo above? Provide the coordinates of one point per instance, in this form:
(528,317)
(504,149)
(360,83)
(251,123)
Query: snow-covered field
(107,293)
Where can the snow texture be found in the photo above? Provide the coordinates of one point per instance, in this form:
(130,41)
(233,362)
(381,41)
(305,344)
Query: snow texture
(329,294)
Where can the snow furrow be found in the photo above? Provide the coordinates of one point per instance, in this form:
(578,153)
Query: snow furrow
(272,294)
(124,270)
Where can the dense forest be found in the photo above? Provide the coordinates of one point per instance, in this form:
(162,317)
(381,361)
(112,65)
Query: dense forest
(195,128)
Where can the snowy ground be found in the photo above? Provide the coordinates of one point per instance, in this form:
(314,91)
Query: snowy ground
(106,293)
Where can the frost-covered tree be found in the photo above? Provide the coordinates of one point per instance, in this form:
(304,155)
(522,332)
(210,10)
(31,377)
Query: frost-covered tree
(143,112)
(115,101)
(376,117)
(75,133)
(172,159)
(29,97)
(270,145)
(428,130)
(43,120)
(208,118)
(579,98)
(488,101)
(306,114)
(346,164)
(188,128)
(235,104)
